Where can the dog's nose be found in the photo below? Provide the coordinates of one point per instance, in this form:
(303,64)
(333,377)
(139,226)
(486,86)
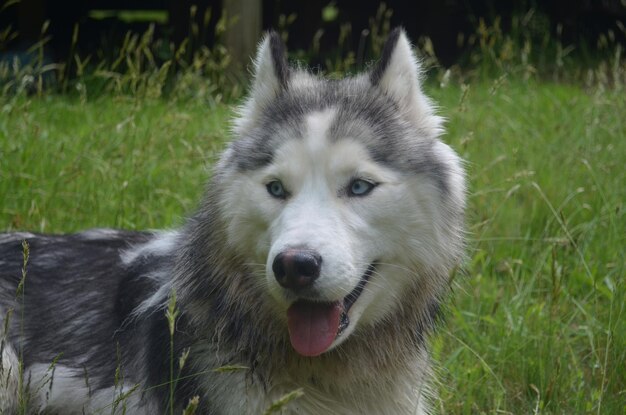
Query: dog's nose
(296,269)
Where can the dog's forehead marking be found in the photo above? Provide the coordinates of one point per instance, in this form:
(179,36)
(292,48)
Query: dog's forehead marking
(320,156)
(308,153)
(318,124)
(317,149)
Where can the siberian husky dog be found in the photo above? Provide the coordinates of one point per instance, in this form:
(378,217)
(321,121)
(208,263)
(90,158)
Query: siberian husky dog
(311,273)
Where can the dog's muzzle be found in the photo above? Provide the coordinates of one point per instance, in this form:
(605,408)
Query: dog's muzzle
(313,325)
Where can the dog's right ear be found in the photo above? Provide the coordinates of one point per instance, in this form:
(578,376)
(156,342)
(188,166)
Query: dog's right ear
(270,64)
(270,77)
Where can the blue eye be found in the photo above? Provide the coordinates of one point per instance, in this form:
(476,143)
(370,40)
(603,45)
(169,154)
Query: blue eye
(276,189)
(360,187)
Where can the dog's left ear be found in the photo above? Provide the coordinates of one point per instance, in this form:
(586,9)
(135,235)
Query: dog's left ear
(398,74)
(270,77)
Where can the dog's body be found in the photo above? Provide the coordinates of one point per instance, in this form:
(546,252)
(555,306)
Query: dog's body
(316,262)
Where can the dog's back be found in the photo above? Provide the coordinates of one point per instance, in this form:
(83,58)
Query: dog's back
(65,315)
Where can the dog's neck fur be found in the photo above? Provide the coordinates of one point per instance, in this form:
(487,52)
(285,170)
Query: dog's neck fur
(233,332)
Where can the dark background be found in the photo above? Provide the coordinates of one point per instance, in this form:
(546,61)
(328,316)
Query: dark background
(574,22)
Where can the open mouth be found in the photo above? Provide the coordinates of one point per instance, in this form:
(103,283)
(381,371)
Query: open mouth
(314,326)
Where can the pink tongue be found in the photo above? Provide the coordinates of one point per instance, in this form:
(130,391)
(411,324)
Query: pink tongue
(313,326)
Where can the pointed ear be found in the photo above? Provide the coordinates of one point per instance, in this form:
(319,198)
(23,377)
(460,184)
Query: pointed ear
(398,75)
(398,72)
(270,76)
(271,71)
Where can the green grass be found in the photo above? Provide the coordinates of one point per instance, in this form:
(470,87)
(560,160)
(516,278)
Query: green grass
(67,165)
(536,324)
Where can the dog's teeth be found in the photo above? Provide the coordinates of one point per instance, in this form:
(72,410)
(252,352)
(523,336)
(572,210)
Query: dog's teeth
(343,323)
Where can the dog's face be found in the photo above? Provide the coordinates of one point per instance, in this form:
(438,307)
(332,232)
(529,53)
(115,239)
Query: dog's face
(338,195)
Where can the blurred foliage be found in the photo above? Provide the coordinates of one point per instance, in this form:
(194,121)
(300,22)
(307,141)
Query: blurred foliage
(146,65)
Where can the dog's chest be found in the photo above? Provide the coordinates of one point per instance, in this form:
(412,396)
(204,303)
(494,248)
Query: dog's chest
(237,394)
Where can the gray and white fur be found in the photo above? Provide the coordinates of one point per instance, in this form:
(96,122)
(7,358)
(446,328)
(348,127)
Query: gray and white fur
(316,262)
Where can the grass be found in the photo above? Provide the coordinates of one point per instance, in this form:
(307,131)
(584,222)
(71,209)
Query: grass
(538,326)
(538,323)
(68,165)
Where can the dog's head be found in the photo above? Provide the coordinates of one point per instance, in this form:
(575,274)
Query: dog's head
(338,194)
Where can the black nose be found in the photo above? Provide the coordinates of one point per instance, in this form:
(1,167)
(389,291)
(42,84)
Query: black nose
(296,268)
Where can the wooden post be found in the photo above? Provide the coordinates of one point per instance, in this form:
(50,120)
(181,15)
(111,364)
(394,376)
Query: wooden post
(241,37)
